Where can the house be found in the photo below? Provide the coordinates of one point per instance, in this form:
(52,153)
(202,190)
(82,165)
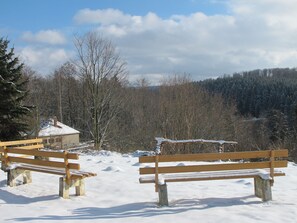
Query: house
(58,135)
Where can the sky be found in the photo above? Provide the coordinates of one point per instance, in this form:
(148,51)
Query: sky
(157,38)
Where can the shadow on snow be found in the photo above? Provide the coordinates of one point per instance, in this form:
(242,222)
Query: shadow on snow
(144,209)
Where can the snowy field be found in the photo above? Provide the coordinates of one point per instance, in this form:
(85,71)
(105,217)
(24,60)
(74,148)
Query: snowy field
(115,195)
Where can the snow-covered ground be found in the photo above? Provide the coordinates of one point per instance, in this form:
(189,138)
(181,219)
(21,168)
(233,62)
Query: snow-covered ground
(115,195)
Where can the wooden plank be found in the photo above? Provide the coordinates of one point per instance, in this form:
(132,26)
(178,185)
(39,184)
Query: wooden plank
(84,173)
(44,170)
(214,156)
(272,161)
(211,167)
(202,177)
(52,154)
(67,168)
(214,178)
(156,173)
(47,163)
(21,142)
(36,146)
(52,170)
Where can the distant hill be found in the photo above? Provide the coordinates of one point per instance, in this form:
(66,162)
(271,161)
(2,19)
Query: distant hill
(258,92)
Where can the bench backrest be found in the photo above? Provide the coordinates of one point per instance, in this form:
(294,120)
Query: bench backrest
(24,144)
(53,159)
(163,164)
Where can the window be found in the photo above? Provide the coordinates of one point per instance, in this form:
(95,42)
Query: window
(44,141)
(51,140)
(59,139)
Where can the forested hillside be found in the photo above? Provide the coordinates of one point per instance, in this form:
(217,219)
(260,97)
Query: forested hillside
(269,97)
(260,91)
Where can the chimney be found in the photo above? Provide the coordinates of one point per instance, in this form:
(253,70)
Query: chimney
(55,121)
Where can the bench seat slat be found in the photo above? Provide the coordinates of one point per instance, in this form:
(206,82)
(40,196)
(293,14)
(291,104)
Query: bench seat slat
(43,170)
(219,175)
(58,171)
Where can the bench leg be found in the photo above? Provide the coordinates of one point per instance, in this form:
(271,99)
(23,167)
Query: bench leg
(80,187)
(263,188)
(3,166)
(27,177)
(15,173)
(11,177)
(63,188)
(163,195)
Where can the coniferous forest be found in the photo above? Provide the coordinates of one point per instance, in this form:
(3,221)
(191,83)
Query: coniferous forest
(267,97)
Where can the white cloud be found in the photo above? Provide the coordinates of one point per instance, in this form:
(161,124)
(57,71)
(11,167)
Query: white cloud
(104,17)
(51,37)
(254,34)
(152,79)
(44,60)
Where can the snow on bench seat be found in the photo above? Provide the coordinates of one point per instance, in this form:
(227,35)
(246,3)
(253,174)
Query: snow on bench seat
(215,175)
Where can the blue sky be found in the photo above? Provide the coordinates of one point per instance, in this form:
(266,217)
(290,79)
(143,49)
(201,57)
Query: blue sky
(158,38)
(21,15)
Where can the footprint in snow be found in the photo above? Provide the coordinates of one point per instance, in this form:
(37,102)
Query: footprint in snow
(113,169)
(240,181)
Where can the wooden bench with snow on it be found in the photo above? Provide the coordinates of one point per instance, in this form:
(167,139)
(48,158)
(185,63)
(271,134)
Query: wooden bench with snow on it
(261,166)
(20,162)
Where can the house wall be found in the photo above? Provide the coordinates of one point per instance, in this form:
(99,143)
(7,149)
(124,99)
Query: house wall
(61,142)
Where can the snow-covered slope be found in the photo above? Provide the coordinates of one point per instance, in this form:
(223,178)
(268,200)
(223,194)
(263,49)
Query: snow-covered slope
(115,195)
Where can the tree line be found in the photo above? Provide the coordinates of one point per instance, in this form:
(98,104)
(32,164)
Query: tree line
(91,94)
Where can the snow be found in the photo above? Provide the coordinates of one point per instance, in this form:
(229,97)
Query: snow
(221,142)
(264,174)
(161,140)
(115,195)
(49,129)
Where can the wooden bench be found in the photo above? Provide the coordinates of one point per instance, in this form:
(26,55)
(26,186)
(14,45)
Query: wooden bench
(19,161)
(259,165)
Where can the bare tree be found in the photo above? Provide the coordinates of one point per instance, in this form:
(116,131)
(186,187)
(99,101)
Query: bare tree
(67,92)
(101,70)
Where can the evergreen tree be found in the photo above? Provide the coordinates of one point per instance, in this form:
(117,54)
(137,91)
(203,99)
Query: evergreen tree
(12,93)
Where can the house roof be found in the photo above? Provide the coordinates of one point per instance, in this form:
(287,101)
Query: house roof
(49,129)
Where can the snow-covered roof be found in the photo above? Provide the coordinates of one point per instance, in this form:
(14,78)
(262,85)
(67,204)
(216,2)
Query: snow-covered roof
(49,129)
